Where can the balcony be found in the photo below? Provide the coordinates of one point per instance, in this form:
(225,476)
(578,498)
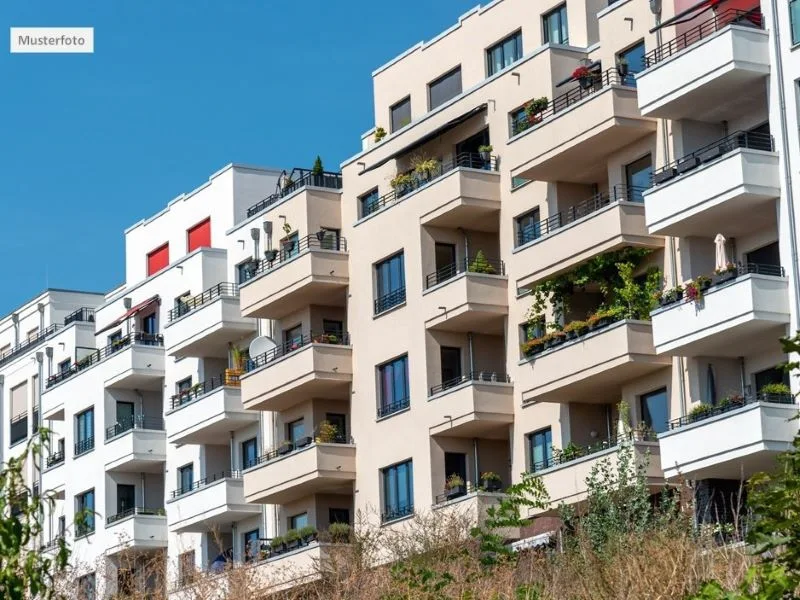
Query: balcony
(605,222)
(564,474)
(290,472)
(207,413)
(312,270)
(137,529)
(137,445)
(463,191)
(295,181)
(134,361)
(29,343)
(593,366)
(319,365)
(214,501)
(471,503)
(204,324)
(571,139)
(728,185)
(478,405)
(474,293)
(713,72)
(730,441)
(737,311)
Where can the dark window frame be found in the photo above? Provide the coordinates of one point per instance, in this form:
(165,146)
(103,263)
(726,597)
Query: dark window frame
(397,511)
(516,36)
(532,437)
(440,81)
(396,126)
(546,21)
(396,404)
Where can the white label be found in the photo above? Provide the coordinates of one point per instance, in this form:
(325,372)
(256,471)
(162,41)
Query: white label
(53,40)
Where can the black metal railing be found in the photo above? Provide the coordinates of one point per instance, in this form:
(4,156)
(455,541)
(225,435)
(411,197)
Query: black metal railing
(336,338)
(135,422)
(594,82)
(154,512)
(96,356)
(710,152)
(747,18)
(201,389)
(208,480)
(758,269)
(186,305)
(729,405)
(562,218)
(294,248)
(52,543)
(55,459)
(18,427)
(84,315)
(397,512)
(479,376)
(487,266)
(384,410)
(83,446)
(572,452)
(467,160)
(299,178)
(457,492)
(289,447)
(389,300)
(29,343)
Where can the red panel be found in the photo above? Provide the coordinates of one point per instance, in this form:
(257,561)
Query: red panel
(157,259)
(199,236)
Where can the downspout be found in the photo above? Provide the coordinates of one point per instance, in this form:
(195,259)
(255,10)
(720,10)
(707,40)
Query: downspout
(475,455)
(471,355)
(741,373)
(466,248)
(38,394)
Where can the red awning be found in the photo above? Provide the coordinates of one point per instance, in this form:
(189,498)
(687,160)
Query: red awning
(688,14)
(130,313)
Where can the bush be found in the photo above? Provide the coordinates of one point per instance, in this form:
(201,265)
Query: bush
(776,388)
(307,531)
(339,533)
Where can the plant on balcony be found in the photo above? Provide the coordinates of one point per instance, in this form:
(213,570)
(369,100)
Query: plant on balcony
(531,347)
(693,291)
(287,228)
(292,539)
(285,447)
(401,182)
(317,169)
(233,373)
(84,362)
(622,67)
(699,412)
(308,533)
(775,389)
(491,482)
(327,432)
(277,544)
(535,108)
(481,265)
(454,486)
(575,329)
(729,269)
(339,533)
(486,152)
(270,255)
(380,133)
(670,296)
(425,169)
(568,453)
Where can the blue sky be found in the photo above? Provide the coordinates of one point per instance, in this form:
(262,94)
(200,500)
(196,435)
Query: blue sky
(90,144)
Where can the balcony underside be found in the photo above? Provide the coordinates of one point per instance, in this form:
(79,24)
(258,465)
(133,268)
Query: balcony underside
(472,410)
(473,214)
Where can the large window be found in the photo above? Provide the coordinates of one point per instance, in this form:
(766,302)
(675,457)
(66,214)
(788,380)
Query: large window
(401,114)
(390,283)
(655,410)
(638,177)
(398,491)
(555,26)
(501,55)
(528,226)
(298,521)
(369,202)
(251,545)
(185,478)
(633,57)
(296,430)
(794,19)
(446,87)
(84,431)
(249,453)
(393,386)
(84,513)
(540,447)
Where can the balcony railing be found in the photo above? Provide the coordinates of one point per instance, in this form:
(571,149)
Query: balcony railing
(488,266)
(55,459)
(468,160)
(747,18)
(29,343)
(592,84)
(390,300)
(135,422)
(571,452)
(288,447)
(397,512)
(187,305)
(53,542)
(710,152)
(18,428)
(202,388)
(300,178)
(457,492)
(728,405)
(384,410)
(84,446)
(84,315)
(293,249)
(336,338)
(479,376)
(157,512)
(144,339)
(565,217)
(675,295)
(208,480)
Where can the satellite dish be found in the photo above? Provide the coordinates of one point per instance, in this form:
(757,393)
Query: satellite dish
(261,345)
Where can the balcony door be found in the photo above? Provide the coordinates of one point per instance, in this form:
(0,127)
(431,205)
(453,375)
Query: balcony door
(126,497)
(467,151)
(768,255)
(293,338)
(124,415)
(451,365)
(455,463)
(445,255)
(638,177)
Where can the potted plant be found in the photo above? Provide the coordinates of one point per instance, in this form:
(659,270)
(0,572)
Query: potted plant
(584,76)
(532,347)
(574,329)
(292,539)
(233,373)
(535,108)
(728,272)
(327,432)
(425,169)
(569,452)
(491,482)
(308,534)
(285,448)
(339,533)
(485,152)
(318,172)
(775,391)
(700,412)
(402,183)
(693,292)
(481,265)
(303,441)
(270,255)
(622,67)
(380,133)
(277,544)
(287,229)
(454,486)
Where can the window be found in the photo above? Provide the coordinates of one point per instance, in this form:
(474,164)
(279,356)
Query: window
(126,497)
(334,327)
(87,587)
(398,491)
(245,270)
(84,513)
(62,526)
(555,26)
(528,227)
(298,521)
(32,334)
(251,545)
(774,375)
(84,431)
(18,425)
(393,386)
(339,421)
(295,430)
(451,365)
(157,259)
(794,19)
(401,114)
(149,324)
(368,202)
(531,331)
(293,338)
(501,55)
(185,478)
(184,385)
(655,411)
(446,87)
(390,283)
(199,236)
(540,445)
(634,58)
(769,255)
(5,350)
(290,245)
(186,568)
(63,366)
(638,177)
(249,453)
(328,238)
(338,515)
